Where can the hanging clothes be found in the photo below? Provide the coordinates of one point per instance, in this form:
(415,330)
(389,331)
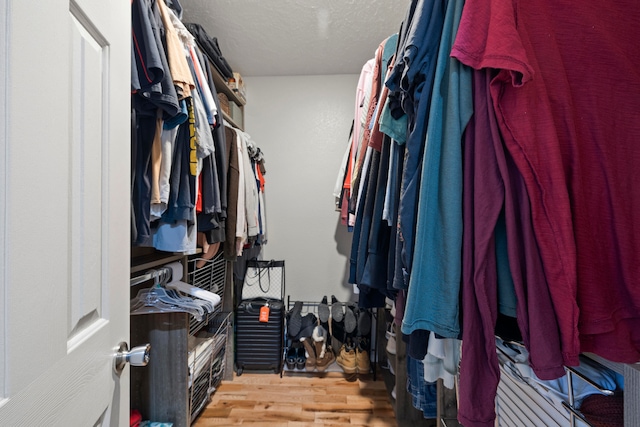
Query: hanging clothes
(493,187)
(178,67)
(356,167)
(411,82)
(180,157)
(434,287)
(176,230)
(565,129)
(578,159)
(233,178)
(154,98)
(522,211)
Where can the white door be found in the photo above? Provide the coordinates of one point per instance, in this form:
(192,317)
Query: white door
(64,211)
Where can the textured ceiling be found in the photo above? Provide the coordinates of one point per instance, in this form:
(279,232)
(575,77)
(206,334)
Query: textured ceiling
(297,37)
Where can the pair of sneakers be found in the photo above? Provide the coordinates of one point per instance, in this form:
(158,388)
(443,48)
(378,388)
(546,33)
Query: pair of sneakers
(354,358)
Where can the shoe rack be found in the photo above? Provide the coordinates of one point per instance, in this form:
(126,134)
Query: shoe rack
(312,307)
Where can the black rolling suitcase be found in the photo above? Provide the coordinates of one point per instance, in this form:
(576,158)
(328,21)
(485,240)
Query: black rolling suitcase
(259,344)
(260,341)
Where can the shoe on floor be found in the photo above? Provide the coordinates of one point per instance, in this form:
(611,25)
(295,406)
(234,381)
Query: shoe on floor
(325,360)
(301,358)
(329,358)
(291,358)
(346,359)
(324,353)
(310,352)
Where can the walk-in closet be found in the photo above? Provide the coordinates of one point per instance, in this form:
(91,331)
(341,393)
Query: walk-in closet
(320,212)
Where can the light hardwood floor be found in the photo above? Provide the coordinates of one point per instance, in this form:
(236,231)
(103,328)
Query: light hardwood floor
(299,400)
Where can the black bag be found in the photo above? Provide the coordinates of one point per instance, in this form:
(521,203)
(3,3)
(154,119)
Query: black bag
(211,49)
(259,345)
(263,279)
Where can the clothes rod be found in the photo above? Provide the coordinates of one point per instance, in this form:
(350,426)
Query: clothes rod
(149,275)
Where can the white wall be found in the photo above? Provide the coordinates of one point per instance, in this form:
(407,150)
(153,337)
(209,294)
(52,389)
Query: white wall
(302,125)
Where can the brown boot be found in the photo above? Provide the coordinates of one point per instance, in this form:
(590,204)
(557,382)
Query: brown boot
(310,364)
(347,359)
(325,356)
(363,363)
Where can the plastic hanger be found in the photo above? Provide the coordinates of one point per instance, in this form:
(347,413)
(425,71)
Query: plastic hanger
(159,299)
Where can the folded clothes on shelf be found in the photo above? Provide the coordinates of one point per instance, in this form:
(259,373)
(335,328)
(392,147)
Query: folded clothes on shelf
(201,350)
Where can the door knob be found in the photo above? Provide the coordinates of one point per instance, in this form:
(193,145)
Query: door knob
(138,356)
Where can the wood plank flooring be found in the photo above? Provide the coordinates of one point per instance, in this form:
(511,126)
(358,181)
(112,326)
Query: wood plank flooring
(299,400)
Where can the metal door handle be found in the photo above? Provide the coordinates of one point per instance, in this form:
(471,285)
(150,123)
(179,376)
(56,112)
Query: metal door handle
(138,356)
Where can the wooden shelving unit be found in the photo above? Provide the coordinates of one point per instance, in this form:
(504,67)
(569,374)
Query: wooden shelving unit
(162,388)
(221,86)
(231,121)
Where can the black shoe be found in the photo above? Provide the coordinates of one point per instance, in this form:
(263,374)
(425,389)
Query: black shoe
(350,321)
(307,323)
(323,310)
(336,309)
(295,319)
(301,358)
(291,358)
(364,322)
